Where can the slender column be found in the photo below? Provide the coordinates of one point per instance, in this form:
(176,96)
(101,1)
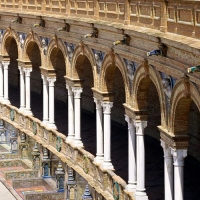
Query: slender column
(70,114)
(1,82)
(178,156)
(22,88)
(132,175)
(99,132)
(5,67)
(140,189)
(107,135)
(45,100)
(51,81)
(77,115)
(28,90)
(168,168)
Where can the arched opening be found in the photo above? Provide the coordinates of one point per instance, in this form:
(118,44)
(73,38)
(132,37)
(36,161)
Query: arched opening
(148,100)
(60,92)
(85,73)
(13,75)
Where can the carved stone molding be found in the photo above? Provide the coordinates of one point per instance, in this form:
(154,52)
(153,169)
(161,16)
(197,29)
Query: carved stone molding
(107,107)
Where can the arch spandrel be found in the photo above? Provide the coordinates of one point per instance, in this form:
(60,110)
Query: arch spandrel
(58,44)
(144,75)
(110,63)
(31,37)
(183,94)
(10,33)
(77,62)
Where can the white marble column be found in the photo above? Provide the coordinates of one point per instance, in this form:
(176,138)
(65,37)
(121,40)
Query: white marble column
(27,72)
(45,100)
(107,135)
(168,169)
(99,132)
(1,82)
(71,135)
(51,123)
(178,156)
(5,69)
(22,89)
(77,115)
(140,189)
(132,174)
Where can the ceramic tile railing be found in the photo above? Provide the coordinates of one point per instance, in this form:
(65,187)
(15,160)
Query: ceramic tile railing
(77,158)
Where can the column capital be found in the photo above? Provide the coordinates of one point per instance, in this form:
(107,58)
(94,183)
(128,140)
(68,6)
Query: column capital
(69,89)
(5,64)
(178,156)
(51,80)
(107,107)
(166,149)
(97,102)
(77,92)
(140,126)
(130,121)
(27,71)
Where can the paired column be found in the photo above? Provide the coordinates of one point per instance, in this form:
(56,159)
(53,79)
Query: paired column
(22,88)
(5,74)
(71,135)
(168,170)
(178,156)
(1,82)
(140,189)
(77,115)
(27,72)
(99,132)
(45,100)
(107,135)
(51,123)
(132,177)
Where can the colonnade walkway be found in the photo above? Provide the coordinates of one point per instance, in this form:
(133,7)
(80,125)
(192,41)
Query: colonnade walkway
(154,161)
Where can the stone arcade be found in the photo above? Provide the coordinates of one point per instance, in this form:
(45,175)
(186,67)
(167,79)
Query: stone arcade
(109,71)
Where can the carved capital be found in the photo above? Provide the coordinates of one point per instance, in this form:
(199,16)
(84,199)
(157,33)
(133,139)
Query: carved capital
(21,70)
(178,156)
(107,107)
(140,126)
(51,81)
(130,121)
(69,89)
(98,103)
(166,149)
(77,92)
(27,71)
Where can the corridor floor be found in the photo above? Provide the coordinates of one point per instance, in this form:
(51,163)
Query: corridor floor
(154,153)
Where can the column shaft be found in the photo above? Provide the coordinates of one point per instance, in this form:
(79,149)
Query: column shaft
(5,67)
(28,90)
(99,132)
(107,135)
(178,155)
(45,100)
(51,123)
(1,82)
(70,114)
(140,189)
(77,116)
(22,89)
(168,170)
(132,178)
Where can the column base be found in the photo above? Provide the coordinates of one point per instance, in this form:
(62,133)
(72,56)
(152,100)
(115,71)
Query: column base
(98,160)
(131,187)
(5,101)
(22,108)
(70,138)
(45,122)
(52,126)
(28,112)
(107,165)
(140,195)
(77,143)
